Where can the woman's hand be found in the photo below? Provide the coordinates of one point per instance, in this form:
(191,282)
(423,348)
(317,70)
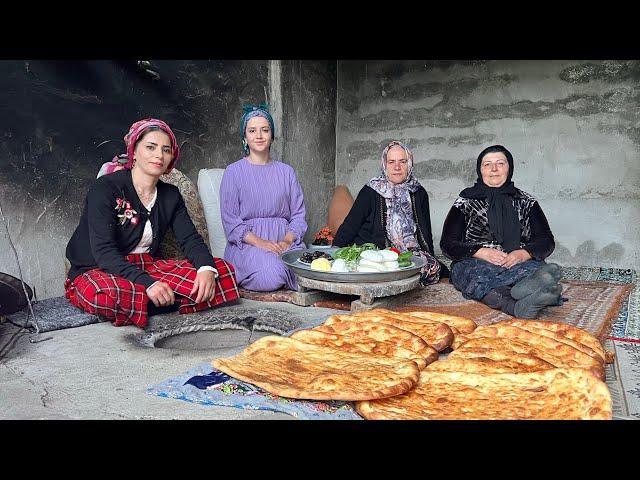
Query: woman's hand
(204,286)
(515,257)
(161,294)
(284,245)
(287,241)
(491,255)
(268,245)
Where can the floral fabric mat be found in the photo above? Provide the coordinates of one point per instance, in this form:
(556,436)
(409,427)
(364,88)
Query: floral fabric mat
(208,386)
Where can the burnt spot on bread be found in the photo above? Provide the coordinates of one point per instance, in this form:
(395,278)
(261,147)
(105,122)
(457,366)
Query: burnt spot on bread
(295,365)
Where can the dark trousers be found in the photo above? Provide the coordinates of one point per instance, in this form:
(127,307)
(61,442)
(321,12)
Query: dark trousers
(500,298)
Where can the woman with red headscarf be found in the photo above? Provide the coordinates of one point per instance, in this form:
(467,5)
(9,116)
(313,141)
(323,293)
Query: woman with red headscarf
(114,272)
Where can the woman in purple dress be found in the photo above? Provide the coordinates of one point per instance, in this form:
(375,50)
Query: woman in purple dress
(262,208)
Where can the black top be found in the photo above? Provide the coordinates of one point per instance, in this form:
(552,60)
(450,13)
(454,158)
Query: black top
(366,222)
(100,241)
(465,229)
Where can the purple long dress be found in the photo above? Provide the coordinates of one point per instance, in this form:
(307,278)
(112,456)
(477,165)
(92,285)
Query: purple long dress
(266,200)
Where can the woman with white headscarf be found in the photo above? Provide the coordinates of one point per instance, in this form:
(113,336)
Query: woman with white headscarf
(392,210)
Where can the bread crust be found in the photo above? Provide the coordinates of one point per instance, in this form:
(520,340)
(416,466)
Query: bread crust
(359,343)
(570,356)
(555,358)
(436,334)
(291,368)
(509,363)
(559,393)
(382,332)
(563,332)
(463,325)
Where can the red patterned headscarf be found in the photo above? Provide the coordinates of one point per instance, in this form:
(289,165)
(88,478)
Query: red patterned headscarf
(139,128)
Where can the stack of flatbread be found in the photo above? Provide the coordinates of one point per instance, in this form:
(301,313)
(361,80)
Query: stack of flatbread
(365,356)
(515,369)
(387,362)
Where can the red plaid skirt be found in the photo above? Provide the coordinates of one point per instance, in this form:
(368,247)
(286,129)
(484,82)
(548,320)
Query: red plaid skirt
(119,299)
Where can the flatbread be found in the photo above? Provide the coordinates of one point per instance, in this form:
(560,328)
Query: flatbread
(458,340)
(559,393)
(380,332)
(484,364)
(556,358)
(573,356)
(529,362)
(563,332)
(436,334)
(358,344)
(291,368)
(463,325)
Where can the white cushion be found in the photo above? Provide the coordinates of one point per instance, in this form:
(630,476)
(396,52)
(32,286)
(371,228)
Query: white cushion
(209,190)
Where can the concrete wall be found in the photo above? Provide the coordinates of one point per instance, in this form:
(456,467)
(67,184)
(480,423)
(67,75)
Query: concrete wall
(59,121)
(572,126)
(309,104)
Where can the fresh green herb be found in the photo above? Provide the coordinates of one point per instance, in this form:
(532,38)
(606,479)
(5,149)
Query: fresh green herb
(405,256)
(404,259)
(352,253)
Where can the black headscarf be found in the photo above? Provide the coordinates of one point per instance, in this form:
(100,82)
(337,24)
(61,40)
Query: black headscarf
(504,224)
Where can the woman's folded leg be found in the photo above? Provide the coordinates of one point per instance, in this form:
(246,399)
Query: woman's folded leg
(262,271)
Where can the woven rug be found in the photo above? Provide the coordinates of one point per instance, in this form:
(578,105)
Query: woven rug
(282,295)
(55,314)
(233,317)
(600,301)
(623,378)
(329,299)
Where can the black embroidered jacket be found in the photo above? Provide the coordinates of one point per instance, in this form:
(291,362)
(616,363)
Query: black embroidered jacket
(101,240)
(466,228)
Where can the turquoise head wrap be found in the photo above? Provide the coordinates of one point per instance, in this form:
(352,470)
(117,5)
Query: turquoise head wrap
(251,111)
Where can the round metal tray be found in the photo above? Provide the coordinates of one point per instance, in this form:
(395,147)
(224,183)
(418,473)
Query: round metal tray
(302,269)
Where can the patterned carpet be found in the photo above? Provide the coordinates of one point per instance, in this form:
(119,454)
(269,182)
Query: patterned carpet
(626,327)
(603,301)
(282,295)
(623,378)
(592,305)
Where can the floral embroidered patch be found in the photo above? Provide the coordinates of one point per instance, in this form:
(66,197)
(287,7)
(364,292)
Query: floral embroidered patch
(125,212)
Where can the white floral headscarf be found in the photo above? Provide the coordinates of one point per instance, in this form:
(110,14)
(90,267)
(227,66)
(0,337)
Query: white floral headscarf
(401,228)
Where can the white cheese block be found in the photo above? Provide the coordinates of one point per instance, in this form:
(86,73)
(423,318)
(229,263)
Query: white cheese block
(372,256)
(379,266)
(365,269)
(339,265)
(388,255)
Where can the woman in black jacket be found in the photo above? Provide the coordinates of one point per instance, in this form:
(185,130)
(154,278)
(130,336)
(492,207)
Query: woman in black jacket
(498,238)
(114,270)
(392,210)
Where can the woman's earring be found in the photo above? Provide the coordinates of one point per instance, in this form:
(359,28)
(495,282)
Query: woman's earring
(133,164)
(245,146)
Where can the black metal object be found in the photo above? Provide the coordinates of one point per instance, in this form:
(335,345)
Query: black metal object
(12,297)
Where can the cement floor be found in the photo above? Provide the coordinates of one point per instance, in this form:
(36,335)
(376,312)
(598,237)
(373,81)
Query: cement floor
(99,371)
